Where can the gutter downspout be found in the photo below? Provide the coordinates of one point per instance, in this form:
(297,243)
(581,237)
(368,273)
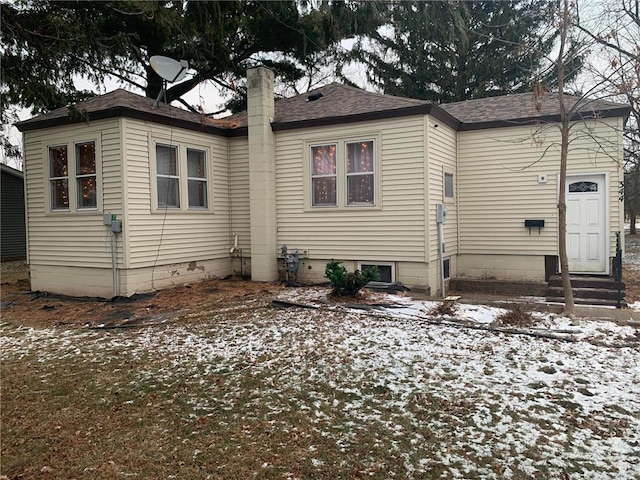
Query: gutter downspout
(441,215)
(114,265)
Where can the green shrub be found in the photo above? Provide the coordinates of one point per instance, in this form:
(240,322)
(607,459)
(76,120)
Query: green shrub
(348,284)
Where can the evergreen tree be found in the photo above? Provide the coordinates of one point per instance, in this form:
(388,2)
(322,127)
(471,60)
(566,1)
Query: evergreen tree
(46,44)
(459,50)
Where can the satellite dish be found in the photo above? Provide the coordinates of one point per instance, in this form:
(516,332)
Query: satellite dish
(169,69)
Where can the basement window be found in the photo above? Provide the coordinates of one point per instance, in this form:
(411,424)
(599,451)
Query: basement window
(386,270)
(447,267)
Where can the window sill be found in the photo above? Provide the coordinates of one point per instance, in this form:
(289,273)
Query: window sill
(69,212)
(182,211)
(344,209)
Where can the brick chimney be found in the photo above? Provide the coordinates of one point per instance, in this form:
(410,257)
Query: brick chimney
(262,174)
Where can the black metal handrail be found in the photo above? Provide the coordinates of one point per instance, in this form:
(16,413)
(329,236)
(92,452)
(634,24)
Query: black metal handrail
(617,268)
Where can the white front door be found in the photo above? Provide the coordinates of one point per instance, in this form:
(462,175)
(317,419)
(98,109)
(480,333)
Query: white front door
(586,224)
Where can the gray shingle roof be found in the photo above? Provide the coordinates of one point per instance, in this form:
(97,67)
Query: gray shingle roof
(338,104)
(123,100)
(337,101)
(523,108)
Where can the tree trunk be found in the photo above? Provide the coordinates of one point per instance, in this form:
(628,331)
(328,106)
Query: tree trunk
(632,222)
(569,307)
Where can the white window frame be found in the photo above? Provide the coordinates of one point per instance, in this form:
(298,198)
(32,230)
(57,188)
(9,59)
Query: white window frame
(204,179)
(182,147)
(359,174)
(53,179)
(72,177)
(342,204)
(80,176)
(323,175)
(159,175)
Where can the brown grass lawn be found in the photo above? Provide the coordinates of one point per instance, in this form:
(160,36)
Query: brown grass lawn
(219,384)
(255,392)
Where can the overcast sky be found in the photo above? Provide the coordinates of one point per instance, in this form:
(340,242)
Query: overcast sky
(208,97)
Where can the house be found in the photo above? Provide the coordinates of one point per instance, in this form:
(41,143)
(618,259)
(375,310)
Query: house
(13,241)
(131,198)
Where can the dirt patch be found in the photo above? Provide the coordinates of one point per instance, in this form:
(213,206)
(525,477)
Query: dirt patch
(631,277)
(20,305)
(39,309)
(14,271)
(631,268)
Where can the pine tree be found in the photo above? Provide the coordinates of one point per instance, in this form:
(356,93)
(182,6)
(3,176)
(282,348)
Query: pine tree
(46,44)
(459,50)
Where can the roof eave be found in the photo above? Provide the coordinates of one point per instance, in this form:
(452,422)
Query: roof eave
(11,171)
(524,121)
(425,109)
(29,125)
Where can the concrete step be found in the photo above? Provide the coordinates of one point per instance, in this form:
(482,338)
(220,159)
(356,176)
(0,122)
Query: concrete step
(590,301)
(604,293)
(588,290)
(587,281)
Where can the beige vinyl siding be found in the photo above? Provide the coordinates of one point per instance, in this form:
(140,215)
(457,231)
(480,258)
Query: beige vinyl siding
(498,183)
(72,238)
(173,236)
(442,158)
(392,231)
(239,192)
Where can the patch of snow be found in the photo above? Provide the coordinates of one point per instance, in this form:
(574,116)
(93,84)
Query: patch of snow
(535,407)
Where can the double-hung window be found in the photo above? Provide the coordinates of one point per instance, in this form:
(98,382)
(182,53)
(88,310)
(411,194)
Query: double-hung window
(360,173)
(343,174)
(182,177)
(67,164)
(167,176)
(323,175)
(197,178)
(59,177)
(86,175)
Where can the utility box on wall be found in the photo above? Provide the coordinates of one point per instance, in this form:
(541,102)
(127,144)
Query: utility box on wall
(441,213)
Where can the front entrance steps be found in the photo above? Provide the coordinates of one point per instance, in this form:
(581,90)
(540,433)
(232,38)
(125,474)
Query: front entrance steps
(588,290)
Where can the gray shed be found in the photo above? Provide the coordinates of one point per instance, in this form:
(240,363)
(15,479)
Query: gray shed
(13,236)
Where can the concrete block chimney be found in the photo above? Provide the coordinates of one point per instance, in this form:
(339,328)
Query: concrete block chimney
(262,174)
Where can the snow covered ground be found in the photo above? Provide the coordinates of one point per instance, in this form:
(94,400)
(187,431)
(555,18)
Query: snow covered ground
(450,400)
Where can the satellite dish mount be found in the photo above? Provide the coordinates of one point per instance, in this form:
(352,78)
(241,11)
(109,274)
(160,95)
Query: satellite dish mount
(169,70)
